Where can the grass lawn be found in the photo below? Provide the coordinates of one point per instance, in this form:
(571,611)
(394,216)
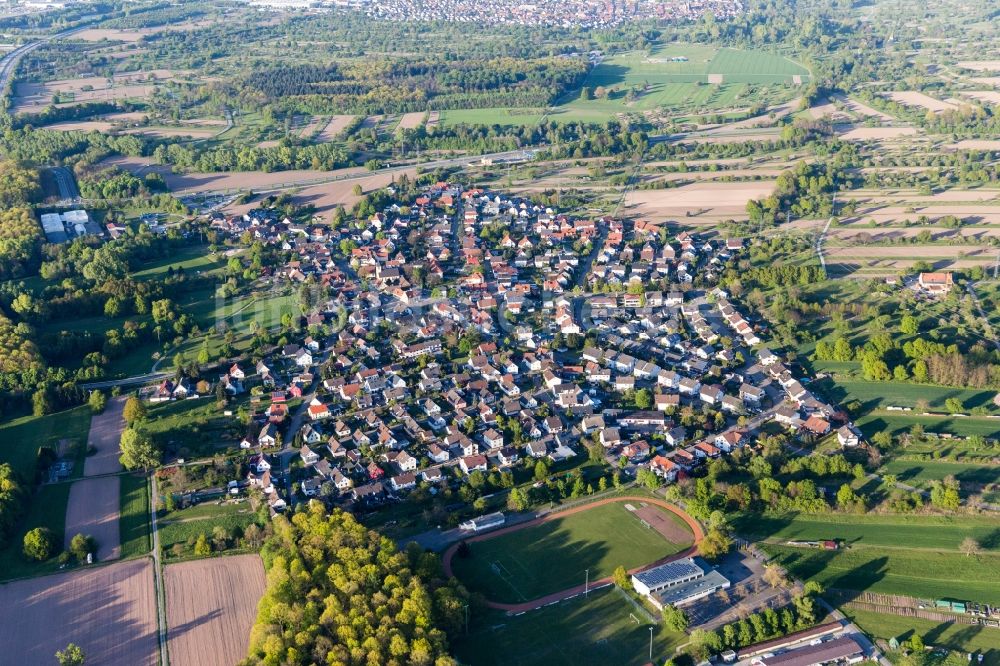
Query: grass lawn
(186,530)
(196,425)
(879,395)
(21,438)
(676,76)
(898,423)
(494,116)
(134,518)
(46,508)
(911,555)
(929,532)
(596,630)
(195,259)
(926,574)
(921,473)
(552,556)
(948,635)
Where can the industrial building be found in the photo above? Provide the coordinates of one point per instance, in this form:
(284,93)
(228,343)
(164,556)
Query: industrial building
(63,227)
(678,583)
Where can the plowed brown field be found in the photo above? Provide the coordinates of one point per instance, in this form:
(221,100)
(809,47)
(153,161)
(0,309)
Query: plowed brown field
(211,606)
(109,611)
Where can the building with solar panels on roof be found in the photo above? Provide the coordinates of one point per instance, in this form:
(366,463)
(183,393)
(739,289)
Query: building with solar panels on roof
(680,582)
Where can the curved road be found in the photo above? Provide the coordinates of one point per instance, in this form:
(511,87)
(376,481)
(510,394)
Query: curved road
(695,527)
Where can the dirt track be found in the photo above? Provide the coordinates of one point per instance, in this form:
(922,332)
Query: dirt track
(108,611)
(92,509)
(558,596)
(211,606)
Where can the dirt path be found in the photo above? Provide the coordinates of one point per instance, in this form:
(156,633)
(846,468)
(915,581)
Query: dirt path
(573,591)
(108,611)
(93,509)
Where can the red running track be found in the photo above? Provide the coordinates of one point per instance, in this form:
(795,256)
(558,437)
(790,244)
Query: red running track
(699,534)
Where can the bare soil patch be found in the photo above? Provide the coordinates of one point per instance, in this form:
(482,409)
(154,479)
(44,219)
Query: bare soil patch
(987,80)
(411,120)
(34,97)
(161,132)
(81,126)
(109,611)
(670,529)
(434,119)
(976,144)
(991,96)
(914,98)
(105,435)
(211,606)
(93,509)
(877,133)
(333,129)
(980,65)
(698,198)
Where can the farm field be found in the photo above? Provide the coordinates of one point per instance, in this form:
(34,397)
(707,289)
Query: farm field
(528,563)
(105,434)
(134,515)
(109,611)
(597,629)
(333,128)
(211,606)
(93,509)
(918,99)
(947,635)
(699,203)
(495,116)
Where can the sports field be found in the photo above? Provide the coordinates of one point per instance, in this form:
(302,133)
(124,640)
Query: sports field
(916,556)
(541,559)
(604,628)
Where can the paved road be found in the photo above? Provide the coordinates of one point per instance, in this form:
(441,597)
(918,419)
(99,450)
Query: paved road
(8,64)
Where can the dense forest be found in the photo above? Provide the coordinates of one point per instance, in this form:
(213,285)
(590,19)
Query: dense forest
(338,593)
(386,85)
